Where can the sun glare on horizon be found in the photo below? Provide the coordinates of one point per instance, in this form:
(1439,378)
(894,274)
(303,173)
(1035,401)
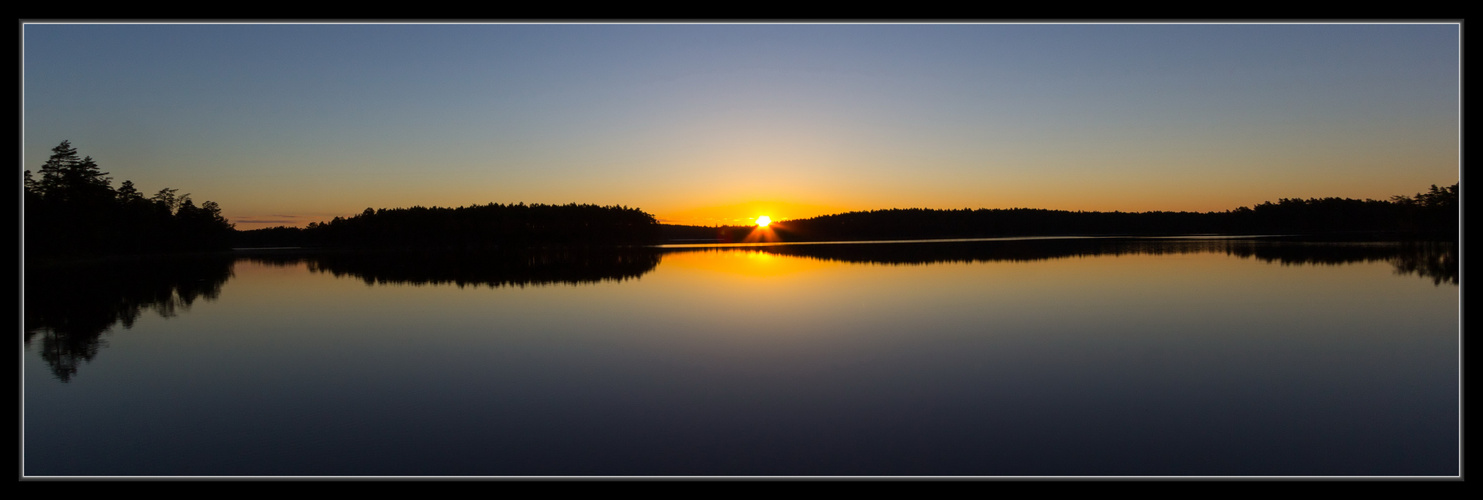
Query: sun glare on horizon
(763,221)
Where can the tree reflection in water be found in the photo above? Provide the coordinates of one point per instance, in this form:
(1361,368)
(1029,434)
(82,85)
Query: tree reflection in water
(573,266)
(1434,260)
(70,308)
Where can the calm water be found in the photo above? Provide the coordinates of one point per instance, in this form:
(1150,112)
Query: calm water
(998,358)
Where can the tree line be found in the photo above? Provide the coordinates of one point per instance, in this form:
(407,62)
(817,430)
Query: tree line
(73,210)
(491,226)
(1432,215)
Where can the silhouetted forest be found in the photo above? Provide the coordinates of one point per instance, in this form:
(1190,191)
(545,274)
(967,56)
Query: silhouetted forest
(1432,215)
(491,226)
(1426,216)
(74,211)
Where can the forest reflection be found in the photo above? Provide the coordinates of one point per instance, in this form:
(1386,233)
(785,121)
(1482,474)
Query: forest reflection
(1433,260)
(571,266)
(69,309)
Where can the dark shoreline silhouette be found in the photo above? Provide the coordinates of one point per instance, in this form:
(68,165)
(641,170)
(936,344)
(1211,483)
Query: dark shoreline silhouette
(477,227)
(1427,216)
(73,213)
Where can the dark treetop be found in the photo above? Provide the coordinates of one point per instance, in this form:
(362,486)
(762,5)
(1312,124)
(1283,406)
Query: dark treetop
(73,211)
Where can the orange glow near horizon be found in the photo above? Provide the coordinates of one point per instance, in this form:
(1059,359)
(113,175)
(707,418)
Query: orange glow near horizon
(761,234)
(746,262)
(724,210)
(733,214)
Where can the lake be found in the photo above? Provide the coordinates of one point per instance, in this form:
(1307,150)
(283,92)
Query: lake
(1012,357)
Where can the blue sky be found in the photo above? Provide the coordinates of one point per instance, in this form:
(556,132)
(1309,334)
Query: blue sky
(720,123)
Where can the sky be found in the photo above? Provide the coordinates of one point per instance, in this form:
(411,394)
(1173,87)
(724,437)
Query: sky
(718,123)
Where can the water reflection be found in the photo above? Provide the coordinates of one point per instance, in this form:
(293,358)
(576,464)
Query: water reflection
(1179,358)
(494,270)
(69,308)
(1434,260)
(1437,261)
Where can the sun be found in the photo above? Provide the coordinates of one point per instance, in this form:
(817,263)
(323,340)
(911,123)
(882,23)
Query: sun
(763,221)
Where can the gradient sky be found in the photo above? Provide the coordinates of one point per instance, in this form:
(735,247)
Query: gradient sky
(286,124)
